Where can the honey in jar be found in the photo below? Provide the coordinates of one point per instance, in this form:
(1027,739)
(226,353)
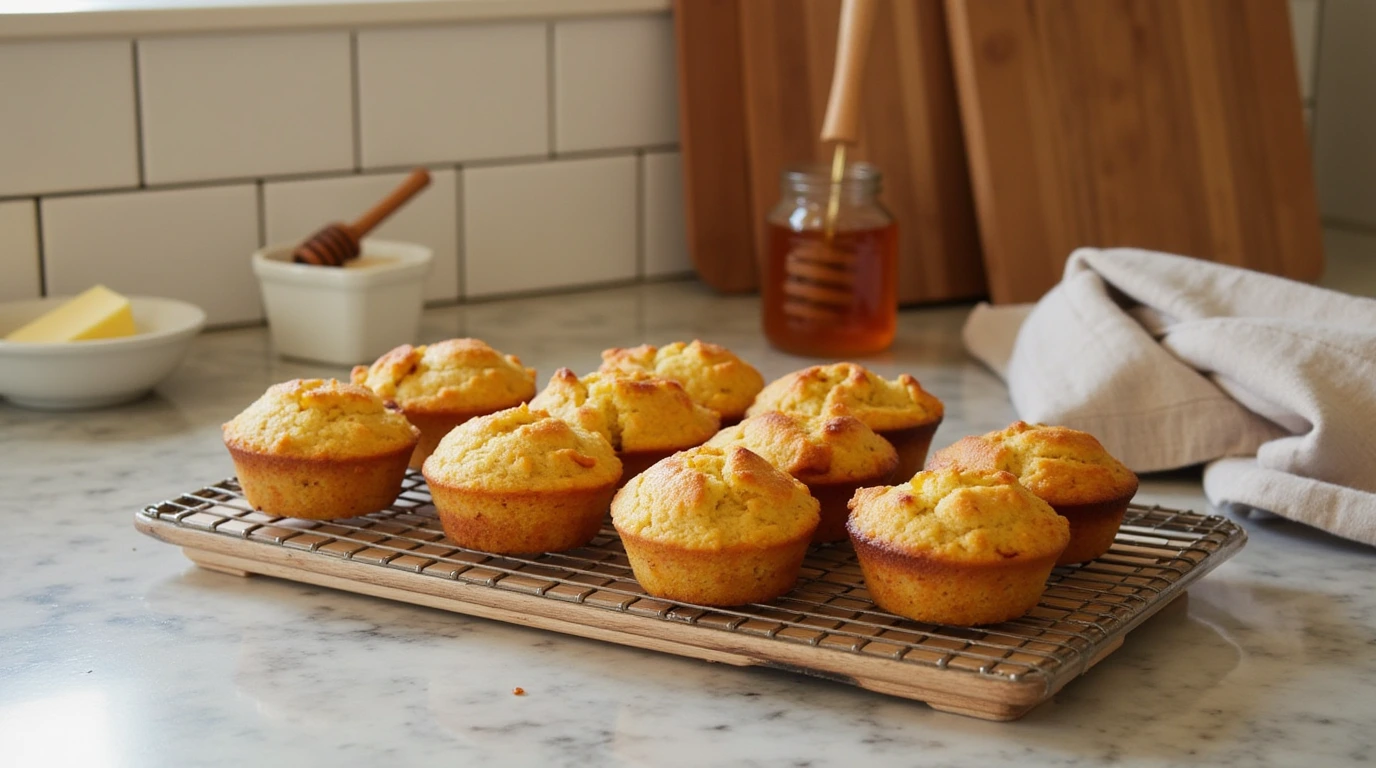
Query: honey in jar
(831,293)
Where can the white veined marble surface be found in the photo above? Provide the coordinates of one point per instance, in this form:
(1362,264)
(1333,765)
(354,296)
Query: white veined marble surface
(116,651)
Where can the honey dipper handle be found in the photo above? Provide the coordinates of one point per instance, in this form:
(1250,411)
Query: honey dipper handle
(842,122)
(418,180)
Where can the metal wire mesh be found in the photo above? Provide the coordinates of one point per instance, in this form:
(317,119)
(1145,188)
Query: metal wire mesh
(1156,554)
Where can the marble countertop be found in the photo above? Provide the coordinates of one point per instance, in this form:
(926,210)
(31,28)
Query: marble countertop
(116,651)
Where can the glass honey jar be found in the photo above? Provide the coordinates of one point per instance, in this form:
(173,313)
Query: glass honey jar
(830,293)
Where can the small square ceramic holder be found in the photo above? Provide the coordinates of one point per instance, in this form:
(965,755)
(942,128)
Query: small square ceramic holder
(343,315)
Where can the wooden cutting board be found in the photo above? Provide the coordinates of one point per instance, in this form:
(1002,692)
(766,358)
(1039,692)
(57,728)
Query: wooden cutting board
(718,207)
(1166,124)
(754,77)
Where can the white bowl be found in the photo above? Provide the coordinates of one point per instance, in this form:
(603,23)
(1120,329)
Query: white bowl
(100,372)
(343,315)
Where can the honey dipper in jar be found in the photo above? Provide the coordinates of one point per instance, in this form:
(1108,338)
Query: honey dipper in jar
(830,286)
(339,242)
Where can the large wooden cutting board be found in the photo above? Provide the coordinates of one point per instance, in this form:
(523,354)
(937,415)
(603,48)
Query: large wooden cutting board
(1166,124)
(754,77)
(718,208)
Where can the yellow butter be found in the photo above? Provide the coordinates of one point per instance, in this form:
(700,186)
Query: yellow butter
(98,313)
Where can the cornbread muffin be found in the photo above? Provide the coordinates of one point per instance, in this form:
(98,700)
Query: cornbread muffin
(440,386)
(320,450)
(900,410)
(1068,469)
(832,456)
(521,480)
(644,417)
(956,547)
(715,526)
(710,374)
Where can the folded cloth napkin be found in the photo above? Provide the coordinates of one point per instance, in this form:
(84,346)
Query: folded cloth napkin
(1172,361)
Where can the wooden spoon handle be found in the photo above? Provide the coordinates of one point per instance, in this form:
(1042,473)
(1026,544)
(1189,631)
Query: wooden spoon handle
(418,180)
(842,122)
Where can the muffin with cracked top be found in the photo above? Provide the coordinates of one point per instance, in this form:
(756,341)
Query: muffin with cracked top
(956,547)
(320,449)
(1067,468)
(833,456)
(901,411)
(711,374)
(644,417)
(520,481)
(440,386)
(715,526)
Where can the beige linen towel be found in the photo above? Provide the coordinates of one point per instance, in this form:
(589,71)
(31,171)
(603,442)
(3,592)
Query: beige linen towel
(1172,361)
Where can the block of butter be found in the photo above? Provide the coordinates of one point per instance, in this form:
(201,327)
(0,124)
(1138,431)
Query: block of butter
(98,313)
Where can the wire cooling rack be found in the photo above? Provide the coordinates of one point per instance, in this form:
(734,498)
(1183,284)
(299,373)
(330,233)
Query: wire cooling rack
(827,626)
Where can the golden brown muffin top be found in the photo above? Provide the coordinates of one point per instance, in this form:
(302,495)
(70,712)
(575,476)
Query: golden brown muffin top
(523,449)
(848,389)
(815,449)
(964,516)
(712,375)
(320,419)
(1061,465)
(452,376)
(634,411)
(713,498)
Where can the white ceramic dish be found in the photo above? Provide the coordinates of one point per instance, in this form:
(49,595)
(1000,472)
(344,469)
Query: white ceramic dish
(92,374)
(343,315)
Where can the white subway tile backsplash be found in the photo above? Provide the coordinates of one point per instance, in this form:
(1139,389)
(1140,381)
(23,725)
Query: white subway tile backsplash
(243,106)
(1304,28)
(547,225)
(103,118)
(1345,117)
(666,235)
(19,251)
(453,93)
(67,119)
(189,244)
(296,209)
(614,83)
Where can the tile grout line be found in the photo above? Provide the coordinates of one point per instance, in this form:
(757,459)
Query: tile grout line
(139,154)
(262,214)
(340,173)
(562,289)
(460,244)
(640,209)
(38,238)
(582,154)
(550,84)
(355,92)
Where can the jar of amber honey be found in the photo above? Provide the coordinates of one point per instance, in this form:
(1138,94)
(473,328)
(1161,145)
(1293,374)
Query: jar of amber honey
(830,283)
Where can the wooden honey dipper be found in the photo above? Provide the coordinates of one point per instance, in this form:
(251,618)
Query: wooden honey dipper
(339,242)
(820,278)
